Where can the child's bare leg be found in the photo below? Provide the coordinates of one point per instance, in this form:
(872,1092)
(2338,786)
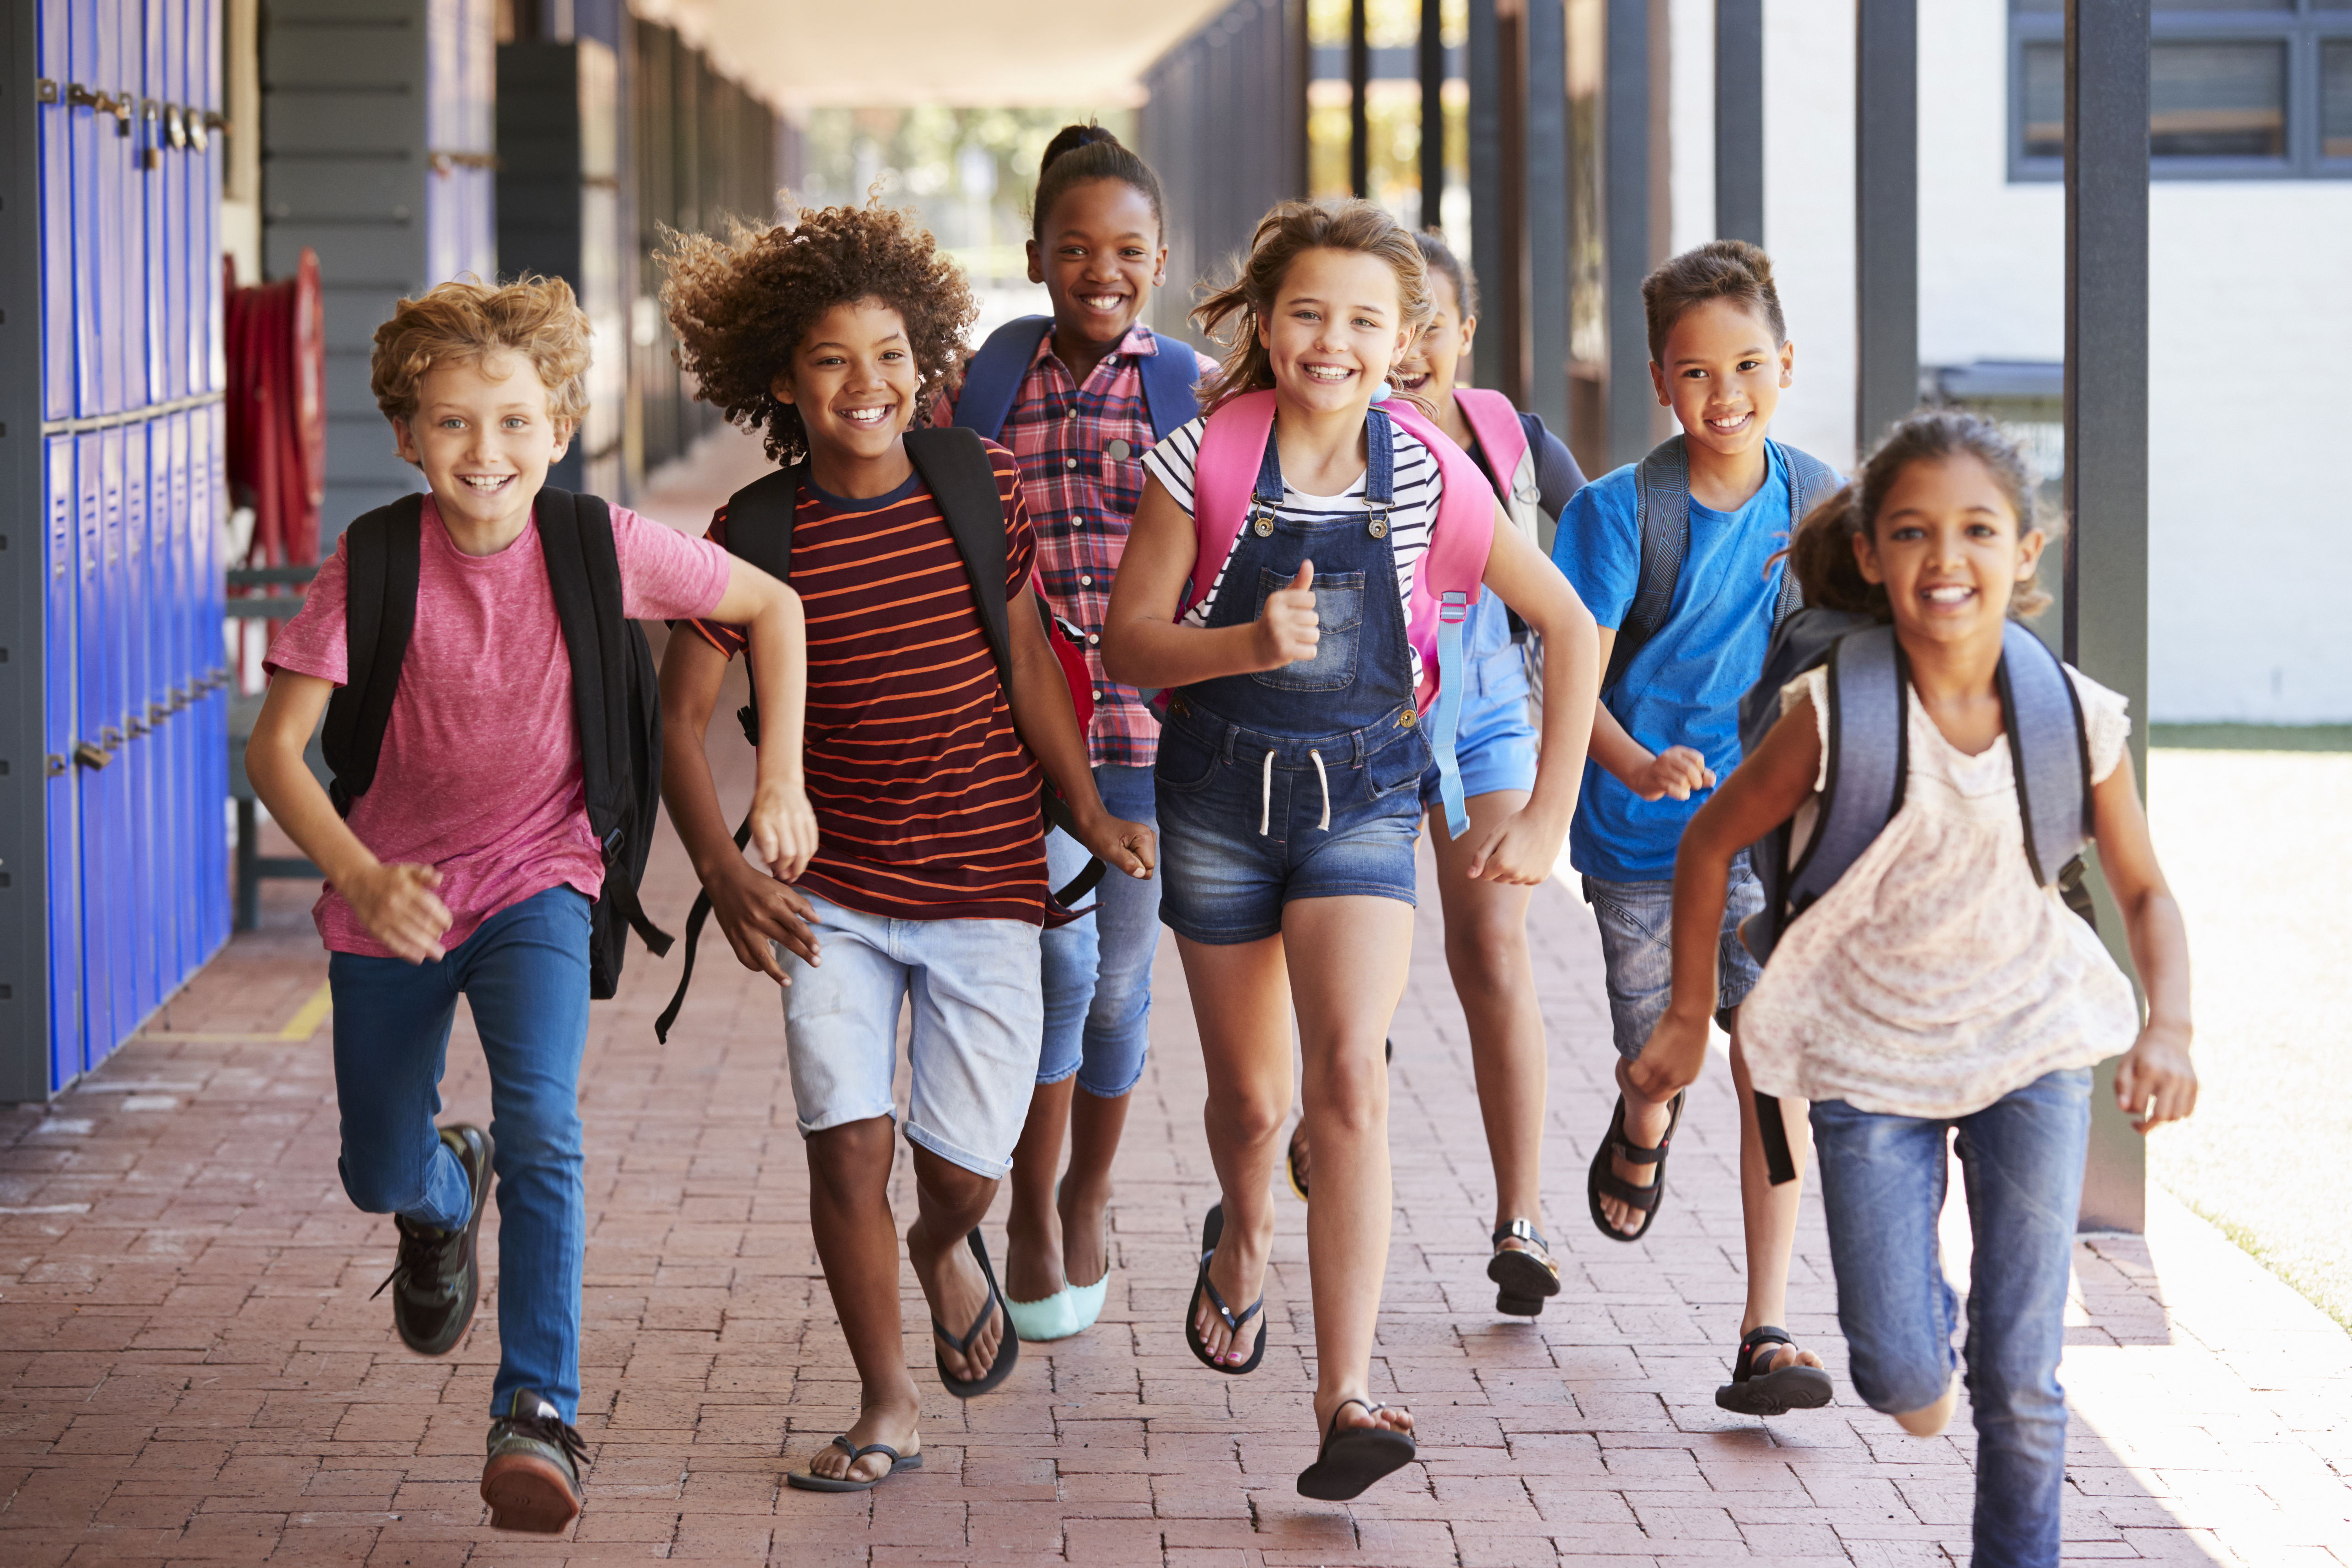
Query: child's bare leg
(949,1201)
(1486,953)
(1032,1230)
(1241,1003)
(1347,959)
(1933,1419)
(1770,1212)
(858,1243)
(1095,1125)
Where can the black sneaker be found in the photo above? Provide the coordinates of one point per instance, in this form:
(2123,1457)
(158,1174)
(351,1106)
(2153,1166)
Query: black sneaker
(532,1480)
(435,1279)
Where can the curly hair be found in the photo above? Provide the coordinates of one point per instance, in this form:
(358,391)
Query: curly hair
(464,323)
(741,306)
(1820,551)
(1289,230)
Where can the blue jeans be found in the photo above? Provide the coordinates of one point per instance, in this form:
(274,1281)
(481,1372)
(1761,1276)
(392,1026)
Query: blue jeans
(1637,956)
(971,1047)
(1099,968)
(525,975)
(1882,1187)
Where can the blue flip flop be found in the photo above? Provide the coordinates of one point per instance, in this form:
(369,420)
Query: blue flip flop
(1212,1230)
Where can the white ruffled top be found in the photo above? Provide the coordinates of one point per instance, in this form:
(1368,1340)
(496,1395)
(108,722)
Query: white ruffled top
(1935,976)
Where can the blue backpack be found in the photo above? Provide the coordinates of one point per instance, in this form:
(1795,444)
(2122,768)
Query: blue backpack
(992,379)
(1868,761)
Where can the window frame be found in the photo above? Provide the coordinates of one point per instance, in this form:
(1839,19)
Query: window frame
(2302,26)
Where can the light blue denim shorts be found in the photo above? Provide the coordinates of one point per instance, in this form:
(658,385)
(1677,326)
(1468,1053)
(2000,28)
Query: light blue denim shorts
(1637,954)
(979,1021)
(1495,746)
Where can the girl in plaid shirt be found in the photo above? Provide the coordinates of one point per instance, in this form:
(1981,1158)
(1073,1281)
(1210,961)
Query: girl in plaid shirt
(1079,425)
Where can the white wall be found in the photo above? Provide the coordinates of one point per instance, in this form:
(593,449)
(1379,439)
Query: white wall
(1808,214)
(2250,532)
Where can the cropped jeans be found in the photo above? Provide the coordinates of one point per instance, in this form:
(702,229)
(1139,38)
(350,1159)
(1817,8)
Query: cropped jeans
(1097,969)
(1882,1188)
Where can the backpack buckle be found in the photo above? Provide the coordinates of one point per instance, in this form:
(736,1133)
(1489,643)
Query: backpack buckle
(1453,608)
(611,844)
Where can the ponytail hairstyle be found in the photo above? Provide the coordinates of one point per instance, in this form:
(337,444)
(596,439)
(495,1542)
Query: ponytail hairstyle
(1729,269)
(1439,256)
(1820,551)
(1286,233)
(1078,153)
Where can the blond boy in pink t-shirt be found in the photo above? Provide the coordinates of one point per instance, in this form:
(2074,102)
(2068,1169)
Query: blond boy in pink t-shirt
(468,867)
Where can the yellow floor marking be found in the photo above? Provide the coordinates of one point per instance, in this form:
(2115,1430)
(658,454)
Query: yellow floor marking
(306,1021)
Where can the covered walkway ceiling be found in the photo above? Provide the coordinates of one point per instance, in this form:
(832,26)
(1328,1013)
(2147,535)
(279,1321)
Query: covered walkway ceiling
(801,54)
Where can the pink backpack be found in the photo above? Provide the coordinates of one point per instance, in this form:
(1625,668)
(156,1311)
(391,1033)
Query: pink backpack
(1449,581)
(1496,424)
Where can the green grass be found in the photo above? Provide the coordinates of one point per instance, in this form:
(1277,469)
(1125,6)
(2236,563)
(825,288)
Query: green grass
(2251,737)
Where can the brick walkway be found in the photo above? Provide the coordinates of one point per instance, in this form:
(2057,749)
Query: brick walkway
(191,1369)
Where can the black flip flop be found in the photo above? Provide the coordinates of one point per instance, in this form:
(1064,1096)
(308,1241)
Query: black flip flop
(810,1481)
(1290,1163)
(1601,1182)
(1008,1348)
(1353,1459)
(1526,1279)
(1774,1393)
(1213,1229)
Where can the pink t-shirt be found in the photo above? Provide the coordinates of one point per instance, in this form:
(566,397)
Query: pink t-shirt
(479,776)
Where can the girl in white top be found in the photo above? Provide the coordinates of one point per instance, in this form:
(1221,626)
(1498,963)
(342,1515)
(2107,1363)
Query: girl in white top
(1937,985)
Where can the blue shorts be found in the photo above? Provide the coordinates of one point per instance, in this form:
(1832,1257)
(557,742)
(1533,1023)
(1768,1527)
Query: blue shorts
(1248,822)
(1495,745)
(1637,954)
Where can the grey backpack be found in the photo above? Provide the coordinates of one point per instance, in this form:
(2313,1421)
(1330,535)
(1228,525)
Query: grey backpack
(1868,759)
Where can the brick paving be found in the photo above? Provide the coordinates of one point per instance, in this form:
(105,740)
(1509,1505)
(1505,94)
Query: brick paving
(191,1370)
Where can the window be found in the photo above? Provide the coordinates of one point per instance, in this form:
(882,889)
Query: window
(2237,88)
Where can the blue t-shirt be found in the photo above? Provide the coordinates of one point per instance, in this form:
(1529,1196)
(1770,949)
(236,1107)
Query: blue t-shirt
(1684,688)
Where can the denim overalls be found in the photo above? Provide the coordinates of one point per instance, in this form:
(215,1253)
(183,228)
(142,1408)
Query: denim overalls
(1301,781)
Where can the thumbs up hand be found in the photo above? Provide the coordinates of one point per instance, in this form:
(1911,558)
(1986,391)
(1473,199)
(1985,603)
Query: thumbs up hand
(1287,628)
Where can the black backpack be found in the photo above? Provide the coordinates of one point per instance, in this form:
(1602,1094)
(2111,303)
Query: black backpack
(1868,761)
(953,465)
(616,692)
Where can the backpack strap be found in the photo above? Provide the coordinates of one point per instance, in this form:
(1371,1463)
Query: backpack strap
(1502,435)
(382,551)
(1170,380)
(2049,747)
(760,531)
(1869,760)
(992,378)
(1225,475)
(1661,518)
(1811,481)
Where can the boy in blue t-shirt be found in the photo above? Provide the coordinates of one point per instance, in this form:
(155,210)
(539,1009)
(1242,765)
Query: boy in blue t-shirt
(1668,727)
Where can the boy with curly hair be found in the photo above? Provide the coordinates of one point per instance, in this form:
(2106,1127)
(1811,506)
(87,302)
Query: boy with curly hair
(467,866)
(832,332)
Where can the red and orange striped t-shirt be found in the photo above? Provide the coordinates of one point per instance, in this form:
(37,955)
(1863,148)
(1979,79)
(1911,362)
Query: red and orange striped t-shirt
(925,800)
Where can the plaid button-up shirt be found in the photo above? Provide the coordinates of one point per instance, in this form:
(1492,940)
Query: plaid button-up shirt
(1080,449)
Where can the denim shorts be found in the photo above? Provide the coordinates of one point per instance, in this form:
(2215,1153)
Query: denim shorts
(1248,822)
(1636,922)
(1098,967)
(1495,745)
(979,1016)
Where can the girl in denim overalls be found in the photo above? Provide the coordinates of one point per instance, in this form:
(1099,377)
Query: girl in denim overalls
(1288,772)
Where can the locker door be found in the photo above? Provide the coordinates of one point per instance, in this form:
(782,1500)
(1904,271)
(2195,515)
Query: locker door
(110,170)
(82,143)
(152,176)
(207,64)
(138,846)
(54,121)
(63,892)
(107,962)
(187,821)
(94,762)
(130,195)
(167,850)
(172,179)
(207,426)
(191,180)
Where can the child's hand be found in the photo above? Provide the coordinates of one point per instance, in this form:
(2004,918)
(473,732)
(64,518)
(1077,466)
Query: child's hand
(783,829)
(1519,851)
(2154,1083)
(1676,771)
(399,908)
(1128,847)
(755,910)
(1671,1061)
(1287,628)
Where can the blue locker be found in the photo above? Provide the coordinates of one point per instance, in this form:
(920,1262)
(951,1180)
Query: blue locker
(109,957)
(54,120)
(166,850)
(152,176)
(133,611)
(109,168)
(122,159)
(63,841)
(95,761)
(208,457)
(191,179)
(173,180)
(207,64)
(82,143)
(187,818)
